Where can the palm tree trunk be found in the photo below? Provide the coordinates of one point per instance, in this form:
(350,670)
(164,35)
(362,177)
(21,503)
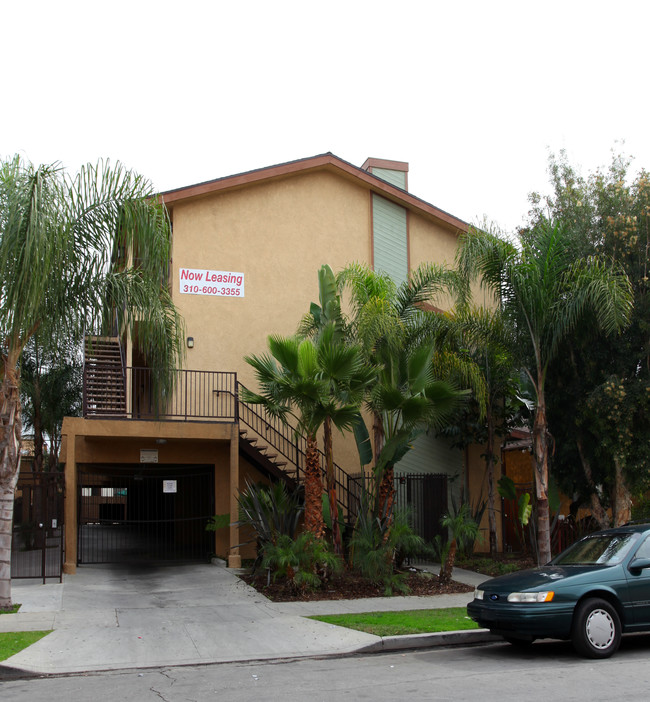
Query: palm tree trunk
(331,486)
(447,568)
(492,519)
(386,489)
(313,490)
(10,430)
(377,434)
(387,492)
(540,448)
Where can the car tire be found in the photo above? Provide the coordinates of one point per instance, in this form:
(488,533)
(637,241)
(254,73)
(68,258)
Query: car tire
(519,643)
(596,629)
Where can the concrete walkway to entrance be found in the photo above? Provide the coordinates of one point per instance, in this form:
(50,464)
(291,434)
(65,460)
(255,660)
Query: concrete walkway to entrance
(112,617)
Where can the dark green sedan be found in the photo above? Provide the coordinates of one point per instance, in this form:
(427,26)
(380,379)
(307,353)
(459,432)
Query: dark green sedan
(593,592)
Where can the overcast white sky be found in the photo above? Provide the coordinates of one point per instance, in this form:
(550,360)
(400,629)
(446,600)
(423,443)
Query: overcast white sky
(472,94)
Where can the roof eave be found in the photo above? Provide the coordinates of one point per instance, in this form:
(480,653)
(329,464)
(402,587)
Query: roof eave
(326,161)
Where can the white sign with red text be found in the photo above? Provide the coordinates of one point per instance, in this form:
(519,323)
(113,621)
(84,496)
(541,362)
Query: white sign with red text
(201,281)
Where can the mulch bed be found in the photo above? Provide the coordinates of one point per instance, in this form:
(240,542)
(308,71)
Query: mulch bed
(350,586)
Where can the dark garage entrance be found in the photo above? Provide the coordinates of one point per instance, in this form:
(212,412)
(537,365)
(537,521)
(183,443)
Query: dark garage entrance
(145,513)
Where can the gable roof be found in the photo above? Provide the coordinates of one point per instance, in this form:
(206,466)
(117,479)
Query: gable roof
(322,162)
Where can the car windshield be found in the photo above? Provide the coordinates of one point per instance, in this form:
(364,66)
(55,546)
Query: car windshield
(600,549)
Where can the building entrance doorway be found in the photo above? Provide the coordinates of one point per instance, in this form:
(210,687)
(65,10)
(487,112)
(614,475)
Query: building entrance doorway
(144,514)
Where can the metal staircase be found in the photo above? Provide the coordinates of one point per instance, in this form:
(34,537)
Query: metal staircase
(276,448)
(104,378)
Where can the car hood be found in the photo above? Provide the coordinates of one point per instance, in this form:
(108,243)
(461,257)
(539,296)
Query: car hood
(546,576)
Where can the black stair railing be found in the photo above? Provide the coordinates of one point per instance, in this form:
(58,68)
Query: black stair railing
(283,439)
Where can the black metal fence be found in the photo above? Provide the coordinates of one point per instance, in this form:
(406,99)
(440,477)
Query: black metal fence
(422,496)
(37,535)
(425,499)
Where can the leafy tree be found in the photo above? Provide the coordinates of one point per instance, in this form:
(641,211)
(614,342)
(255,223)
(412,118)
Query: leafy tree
(603,381)
(545,290)
(59,274)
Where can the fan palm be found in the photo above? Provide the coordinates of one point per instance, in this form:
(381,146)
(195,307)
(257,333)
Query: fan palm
(543,290)
(313,382)
(60,240)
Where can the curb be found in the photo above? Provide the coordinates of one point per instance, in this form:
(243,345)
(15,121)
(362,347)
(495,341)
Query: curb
(430,640)
(384,644)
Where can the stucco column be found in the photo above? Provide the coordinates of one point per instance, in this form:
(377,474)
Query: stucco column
(70,505)
(234,559)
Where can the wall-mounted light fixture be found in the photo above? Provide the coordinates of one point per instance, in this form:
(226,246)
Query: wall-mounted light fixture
(190,342)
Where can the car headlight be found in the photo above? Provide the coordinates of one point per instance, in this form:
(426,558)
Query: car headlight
(531,596)
(478,594)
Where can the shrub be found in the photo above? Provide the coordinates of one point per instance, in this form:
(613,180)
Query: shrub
(306,562)
(272,511)
(379,545)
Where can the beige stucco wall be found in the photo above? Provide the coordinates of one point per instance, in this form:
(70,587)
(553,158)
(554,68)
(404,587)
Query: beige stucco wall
(278,233)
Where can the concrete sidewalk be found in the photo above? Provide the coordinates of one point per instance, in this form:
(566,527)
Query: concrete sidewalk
(112,617)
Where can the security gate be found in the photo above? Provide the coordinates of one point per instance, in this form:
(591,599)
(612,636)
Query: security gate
(145,514)
(425,498)
(37,534)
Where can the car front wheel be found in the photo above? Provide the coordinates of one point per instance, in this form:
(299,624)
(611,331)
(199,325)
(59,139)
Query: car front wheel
(596,631)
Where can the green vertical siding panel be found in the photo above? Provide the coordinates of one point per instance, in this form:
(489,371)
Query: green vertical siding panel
(397,178)
(390,239)
(431,454)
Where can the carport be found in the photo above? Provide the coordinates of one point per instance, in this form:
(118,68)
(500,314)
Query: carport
(142,491)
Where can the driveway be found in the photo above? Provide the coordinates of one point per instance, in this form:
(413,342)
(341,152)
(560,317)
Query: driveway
(112,617)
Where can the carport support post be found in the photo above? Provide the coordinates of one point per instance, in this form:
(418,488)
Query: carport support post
(234,559)
(70,565)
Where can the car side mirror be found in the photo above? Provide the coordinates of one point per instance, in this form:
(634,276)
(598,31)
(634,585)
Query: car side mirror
(638,564)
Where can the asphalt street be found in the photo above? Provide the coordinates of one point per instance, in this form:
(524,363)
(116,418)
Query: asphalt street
(493,672)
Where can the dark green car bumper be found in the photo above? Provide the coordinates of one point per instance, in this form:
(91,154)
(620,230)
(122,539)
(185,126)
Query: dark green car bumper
(537,621)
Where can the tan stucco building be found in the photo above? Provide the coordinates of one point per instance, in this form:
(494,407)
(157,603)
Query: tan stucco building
(246,251)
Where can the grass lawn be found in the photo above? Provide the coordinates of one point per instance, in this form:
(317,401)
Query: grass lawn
(13,610)
(14,641)
(417,621)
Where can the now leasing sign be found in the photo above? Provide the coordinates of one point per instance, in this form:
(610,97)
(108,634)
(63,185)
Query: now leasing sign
(201,281)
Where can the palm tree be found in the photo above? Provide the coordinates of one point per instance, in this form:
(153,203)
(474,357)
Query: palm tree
(543,290)
(316,382)
(395,327)
(328,320)
(461,526)
(483,335)
(60,273)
